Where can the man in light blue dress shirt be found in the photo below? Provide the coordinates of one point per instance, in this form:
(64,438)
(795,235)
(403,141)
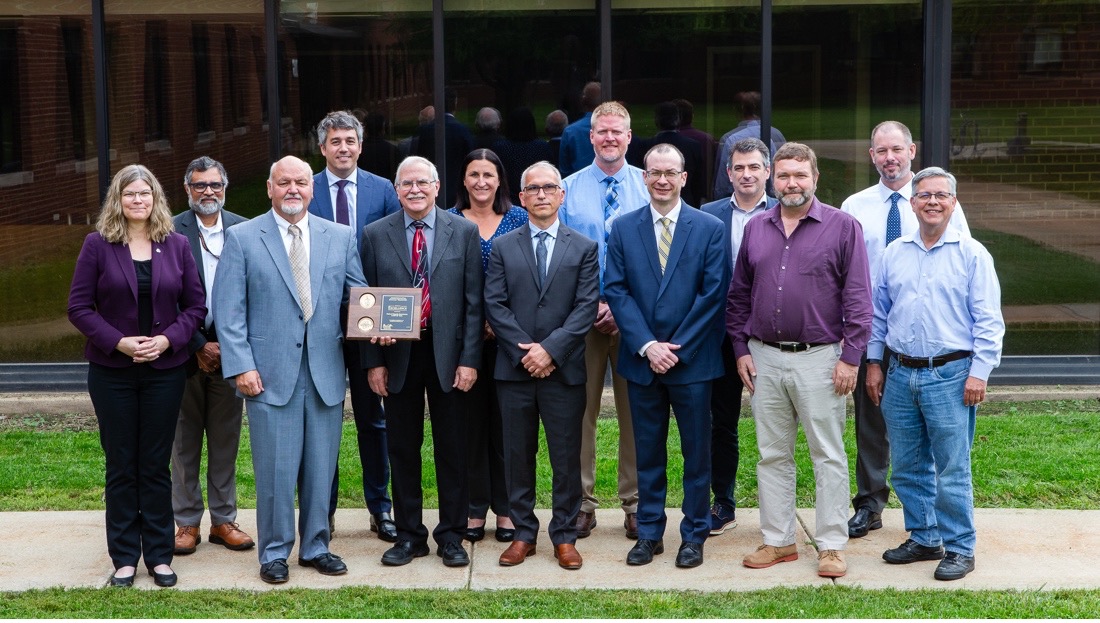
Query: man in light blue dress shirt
(938,310)
(595,197)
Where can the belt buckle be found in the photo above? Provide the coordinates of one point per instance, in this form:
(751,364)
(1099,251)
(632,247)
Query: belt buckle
(789,347)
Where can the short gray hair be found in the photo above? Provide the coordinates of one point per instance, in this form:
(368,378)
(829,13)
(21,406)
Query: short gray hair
(541,164)
(747,146)
(487,119)
(341,120)
(413,160)
(934,172)
(202,164)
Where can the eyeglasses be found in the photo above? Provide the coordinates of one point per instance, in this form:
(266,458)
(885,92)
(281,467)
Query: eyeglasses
(202,186)
(533,190)
(666,174)
(144,194)
(407,185)
(938,196)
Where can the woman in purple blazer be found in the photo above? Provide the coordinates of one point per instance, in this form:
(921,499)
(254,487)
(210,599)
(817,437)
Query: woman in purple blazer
(137,297)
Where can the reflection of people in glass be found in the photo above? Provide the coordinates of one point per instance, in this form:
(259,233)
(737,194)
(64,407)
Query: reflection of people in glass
(576,150)
(749,102)
(136,296)
(555,125)
(520,148)
(483,200)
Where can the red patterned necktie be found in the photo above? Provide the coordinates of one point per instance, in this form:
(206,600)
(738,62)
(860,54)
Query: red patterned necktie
(420,272)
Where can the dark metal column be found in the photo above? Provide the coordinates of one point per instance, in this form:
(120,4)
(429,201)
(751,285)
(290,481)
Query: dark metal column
(438,97)
(274,106)
(935,113)
(765,73)
(102,119)
(603,7)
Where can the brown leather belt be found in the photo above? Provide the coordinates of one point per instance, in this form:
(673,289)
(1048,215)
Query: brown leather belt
(931,362)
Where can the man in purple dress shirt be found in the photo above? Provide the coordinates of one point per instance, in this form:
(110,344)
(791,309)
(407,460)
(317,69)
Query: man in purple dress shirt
(798,348)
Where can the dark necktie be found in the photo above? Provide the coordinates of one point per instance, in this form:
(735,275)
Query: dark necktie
(893,220)
(540,256)
(342,211)
(420,272)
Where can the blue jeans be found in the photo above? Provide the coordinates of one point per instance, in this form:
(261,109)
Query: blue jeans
(931,432)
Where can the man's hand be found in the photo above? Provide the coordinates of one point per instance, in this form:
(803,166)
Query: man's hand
(465,377)
(974,391)
(844,378)
(746,369)
(538,363)
(605,322)
(874,383)
(377,378)
(249,383)
(661,356)
(209,357)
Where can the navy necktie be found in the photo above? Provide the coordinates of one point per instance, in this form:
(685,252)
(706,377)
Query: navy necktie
(893,220)
(342,210)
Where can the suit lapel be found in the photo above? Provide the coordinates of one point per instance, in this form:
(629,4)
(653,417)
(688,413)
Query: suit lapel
(444,231)
(319,248)
(561,248)
(523,246)
(321,195)
(126,266)
(269,233)
(189,227)
(649,241)
(679,241)
(361,199)
(727,218)
(396,233)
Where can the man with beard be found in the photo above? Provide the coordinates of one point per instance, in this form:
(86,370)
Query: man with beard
(799,315)
(210,407)
(884,212)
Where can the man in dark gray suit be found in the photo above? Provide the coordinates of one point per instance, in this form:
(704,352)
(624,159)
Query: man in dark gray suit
(441,254)
(210,407)
(541,294)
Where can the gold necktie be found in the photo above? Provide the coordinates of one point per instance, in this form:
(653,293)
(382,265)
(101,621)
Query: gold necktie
(299,267)
(664,243)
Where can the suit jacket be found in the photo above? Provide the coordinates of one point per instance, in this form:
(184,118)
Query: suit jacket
(374,198)
(683,306)
(260,322)
(103,299)
(558,316)
(187,224)
(724,211)
(455,279)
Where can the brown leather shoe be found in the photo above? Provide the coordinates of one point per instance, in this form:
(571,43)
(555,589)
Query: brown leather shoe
(568,556)
(187,539)
(585,523)
(631,525)
(516,553)
(230,535)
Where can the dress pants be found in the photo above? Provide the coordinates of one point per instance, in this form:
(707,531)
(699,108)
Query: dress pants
(405,434)
(137,408)
(725,409)
(370,435)
(295,443)
(794,388)
(561,408)
(691,405)
(210,408)
(872,446)
(599,348)
(486,441)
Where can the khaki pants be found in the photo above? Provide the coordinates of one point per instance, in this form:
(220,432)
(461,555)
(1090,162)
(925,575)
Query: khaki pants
(599,347)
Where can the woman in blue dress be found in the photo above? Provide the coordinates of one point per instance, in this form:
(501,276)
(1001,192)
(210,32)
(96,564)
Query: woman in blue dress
(483,198)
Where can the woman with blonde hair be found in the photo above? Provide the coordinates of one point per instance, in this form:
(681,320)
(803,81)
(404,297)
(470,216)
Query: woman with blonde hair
(137,297)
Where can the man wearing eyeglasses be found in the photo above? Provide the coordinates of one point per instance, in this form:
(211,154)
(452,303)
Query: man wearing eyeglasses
(666,281)
(440,253)
(541,294)
(210,405)
(938,319)
(885,213)
(595,197)
(351,196)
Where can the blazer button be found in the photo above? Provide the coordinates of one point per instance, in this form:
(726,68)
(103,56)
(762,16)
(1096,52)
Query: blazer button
(299,345)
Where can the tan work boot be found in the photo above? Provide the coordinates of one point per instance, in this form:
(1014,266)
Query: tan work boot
(767,555)
(230,535)
(187,539)
(830,563)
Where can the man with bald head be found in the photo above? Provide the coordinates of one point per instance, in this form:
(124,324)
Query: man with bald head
(281,283)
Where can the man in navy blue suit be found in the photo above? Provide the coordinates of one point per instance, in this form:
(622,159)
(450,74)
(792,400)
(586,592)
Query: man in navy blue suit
(668,303)
(351,196)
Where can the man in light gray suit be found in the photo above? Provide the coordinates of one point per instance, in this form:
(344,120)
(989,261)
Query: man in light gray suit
(210,407)
(283,279)
(441,254)
(542,290)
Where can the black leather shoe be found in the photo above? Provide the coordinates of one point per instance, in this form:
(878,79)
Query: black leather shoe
(643,551)
(453,554)
(275,572)
(954,566)
(125,582)
(505,535)
(162,579)
(863,522)
(403,552)
(382,523)
(690,555)
(474,535)
(326,564)
(911,551)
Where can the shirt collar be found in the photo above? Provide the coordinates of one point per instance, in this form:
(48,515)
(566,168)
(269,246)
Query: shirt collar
(885,191)
(429,218)
(760,205)
(673,214)
(216,228)
(333,178)
(552,230)
(950,236)
(598,173)
(284,224)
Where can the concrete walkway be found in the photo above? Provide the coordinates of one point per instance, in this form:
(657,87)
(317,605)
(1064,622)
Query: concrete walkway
(1017,549)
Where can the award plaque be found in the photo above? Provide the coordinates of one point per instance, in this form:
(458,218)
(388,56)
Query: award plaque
(384,312)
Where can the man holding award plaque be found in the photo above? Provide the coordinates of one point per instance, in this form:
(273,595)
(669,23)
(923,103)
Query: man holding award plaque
(439,254)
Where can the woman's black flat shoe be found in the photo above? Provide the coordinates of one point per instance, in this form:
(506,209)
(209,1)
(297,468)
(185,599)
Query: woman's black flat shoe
(506,535)
(125,582)
(163,579)
(474,535)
